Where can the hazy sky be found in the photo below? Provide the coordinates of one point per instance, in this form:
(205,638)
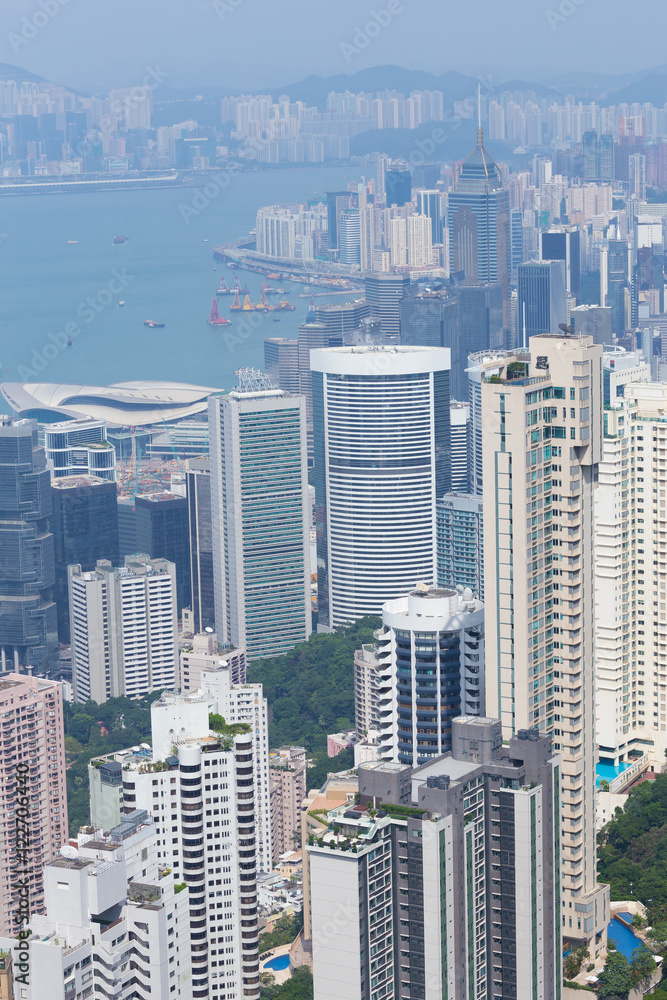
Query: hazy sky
(92,44)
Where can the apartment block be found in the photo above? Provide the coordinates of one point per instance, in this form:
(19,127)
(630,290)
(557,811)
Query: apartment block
(444,880)
(203,653)
(124,628)
(115,922)
(542,419)
(631,578)
(287,777)
(32,764)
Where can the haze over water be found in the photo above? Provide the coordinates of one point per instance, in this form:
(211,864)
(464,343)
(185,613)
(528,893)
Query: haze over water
(44,282)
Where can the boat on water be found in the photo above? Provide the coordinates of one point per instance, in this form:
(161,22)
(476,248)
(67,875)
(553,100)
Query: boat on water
(119,240)
(215,319)
(153,324)
(223,289)
(69,341)
(72,243)
(276,320)
(121,303)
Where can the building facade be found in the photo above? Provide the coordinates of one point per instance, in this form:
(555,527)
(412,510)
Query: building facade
(124,629)
(543,445)
(198,492)
(33,766)
(261,518)
(28,626)
(430,669)
(287,777)
(460,524)
(80,448)
(85,528)
(162,526)
(454,889)
(382,438)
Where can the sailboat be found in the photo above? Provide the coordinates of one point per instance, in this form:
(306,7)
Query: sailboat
(215,319)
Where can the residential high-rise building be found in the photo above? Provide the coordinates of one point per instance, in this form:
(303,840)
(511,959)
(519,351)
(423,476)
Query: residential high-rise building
(637,171)
(287,777)
(542,302)
(428,203)
(430,669)
(123,625)
(460,522)
(190,763)
(543,430)
(590,155)
(261,516)
(384,293)
(398,242)
(454,889)
(479,223)
(75,945)
(32,768)
(162,523)
(85,528)
(419,241)
(204,654)
(28,626)
(80,447)
(382,440)
(477,372)
(198,485)
(564,244)
(630,520)
(281,362)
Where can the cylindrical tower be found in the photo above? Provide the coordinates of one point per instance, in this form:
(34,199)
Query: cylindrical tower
(382,457)
(430,655)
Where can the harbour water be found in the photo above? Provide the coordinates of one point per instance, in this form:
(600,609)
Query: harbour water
(51,288)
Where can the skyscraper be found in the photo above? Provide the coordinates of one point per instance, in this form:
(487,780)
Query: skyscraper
(564,244)
(383,294)
(80,447)
(349,238)
(542,304)
(32,766)
(382,438)
(163,533)
(198,480)
(479,223)
(398,187)
(453,890)
(420,244)
(477,371)
(460,521)
(261,520)
(430,654)
(85,529)
(28,626)
(123,625)
(480,328)
(459,416)
(281,362)
(428,203)
(543,437)
(337,201)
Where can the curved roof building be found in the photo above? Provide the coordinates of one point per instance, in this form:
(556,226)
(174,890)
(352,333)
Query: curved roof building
(123,404)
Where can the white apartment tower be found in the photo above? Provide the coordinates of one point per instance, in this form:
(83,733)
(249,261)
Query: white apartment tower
(198,784)
(124,628)
(542,420)
(631,577)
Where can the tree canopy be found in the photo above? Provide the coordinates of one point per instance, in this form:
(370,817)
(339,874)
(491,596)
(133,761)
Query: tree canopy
(632,852)
(615,979)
